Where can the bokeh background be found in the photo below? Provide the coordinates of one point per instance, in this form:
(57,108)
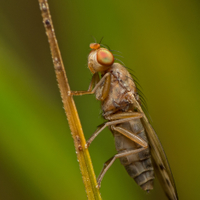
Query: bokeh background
(160,41)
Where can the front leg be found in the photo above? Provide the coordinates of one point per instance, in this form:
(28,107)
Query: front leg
(93,82)
(105,90)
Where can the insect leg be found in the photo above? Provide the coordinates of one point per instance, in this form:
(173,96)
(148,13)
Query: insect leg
(109,162)
(93,81)
(106,89)
(133,115)
(132,136)
(122,115)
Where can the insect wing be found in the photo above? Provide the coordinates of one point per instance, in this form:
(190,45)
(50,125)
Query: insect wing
(161,164)
(160,160)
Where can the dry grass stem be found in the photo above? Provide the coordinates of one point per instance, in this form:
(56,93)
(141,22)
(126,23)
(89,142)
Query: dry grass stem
(83,156)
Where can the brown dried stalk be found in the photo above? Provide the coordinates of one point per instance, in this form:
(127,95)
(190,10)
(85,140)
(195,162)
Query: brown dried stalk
(83,156)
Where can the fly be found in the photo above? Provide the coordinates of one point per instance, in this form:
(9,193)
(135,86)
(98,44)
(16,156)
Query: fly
(137,144)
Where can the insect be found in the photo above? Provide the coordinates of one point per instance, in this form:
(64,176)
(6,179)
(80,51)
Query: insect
(137,144)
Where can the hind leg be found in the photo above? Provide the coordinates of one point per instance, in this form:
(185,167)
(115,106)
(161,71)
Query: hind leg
(109,162)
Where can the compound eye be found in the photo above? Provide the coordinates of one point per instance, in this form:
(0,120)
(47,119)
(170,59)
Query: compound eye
(105,57)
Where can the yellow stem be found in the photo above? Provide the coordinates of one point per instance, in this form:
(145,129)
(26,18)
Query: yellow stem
(83,156)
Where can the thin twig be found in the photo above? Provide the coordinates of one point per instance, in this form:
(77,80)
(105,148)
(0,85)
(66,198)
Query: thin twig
(83,156)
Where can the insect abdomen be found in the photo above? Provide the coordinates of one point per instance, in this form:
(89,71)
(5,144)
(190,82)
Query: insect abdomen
(139,165)
(143,176)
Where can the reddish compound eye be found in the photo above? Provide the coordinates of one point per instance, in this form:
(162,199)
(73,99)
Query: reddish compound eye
(105,57)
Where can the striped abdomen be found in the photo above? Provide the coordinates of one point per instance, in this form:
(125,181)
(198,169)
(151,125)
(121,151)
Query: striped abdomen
(139,165)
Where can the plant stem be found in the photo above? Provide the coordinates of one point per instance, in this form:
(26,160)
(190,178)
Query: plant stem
(83,156)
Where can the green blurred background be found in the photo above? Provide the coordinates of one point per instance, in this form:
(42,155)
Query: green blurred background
(160,41)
